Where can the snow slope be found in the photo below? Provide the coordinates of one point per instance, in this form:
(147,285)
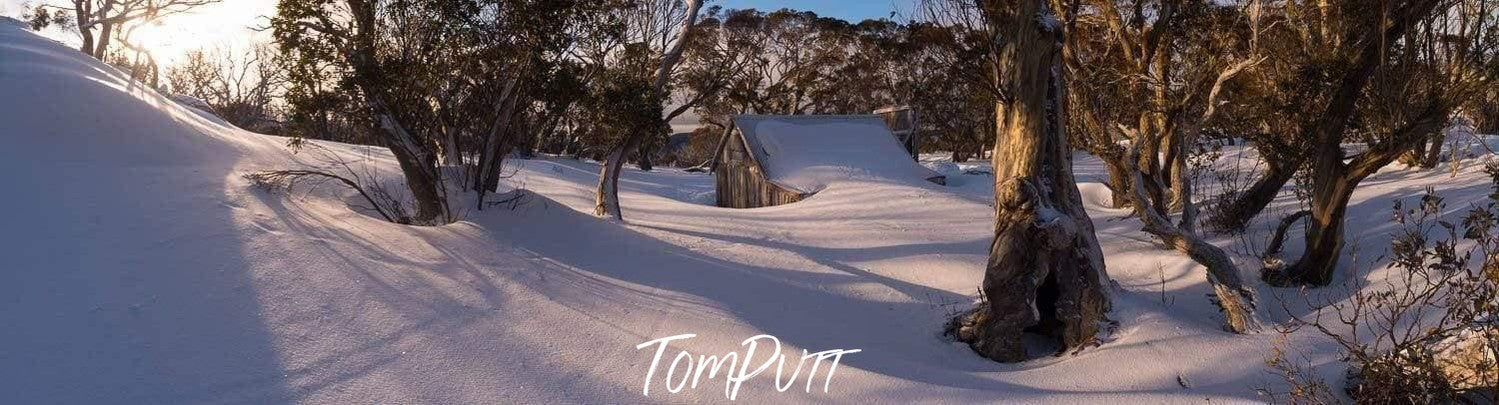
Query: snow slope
(139,267)
(808,152)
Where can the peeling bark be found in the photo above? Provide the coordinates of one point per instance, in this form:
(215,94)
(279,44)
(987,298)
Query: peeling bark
(1045,273)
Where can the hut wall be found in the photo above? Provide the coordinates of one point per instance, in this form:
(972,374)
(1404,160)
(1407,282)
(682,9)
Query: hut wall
(741,184)
(902,123)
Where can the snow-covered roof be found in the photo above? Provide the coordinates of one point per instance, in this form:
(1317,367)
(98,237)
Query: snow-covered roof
(807,152)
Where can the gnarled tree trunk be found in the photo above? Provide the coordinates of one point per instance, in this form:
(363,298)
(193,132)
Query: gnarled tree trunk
(1333,181)
(1045,273)
(1331,190)
(424,183)
(418,163)
(83,16)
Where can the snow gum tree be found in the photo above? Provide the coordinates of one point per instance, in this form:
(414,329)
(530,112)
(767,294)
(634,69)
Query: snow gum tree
(606,196)
(441,83)
(1154,72)
(1045,273)
(1414,64)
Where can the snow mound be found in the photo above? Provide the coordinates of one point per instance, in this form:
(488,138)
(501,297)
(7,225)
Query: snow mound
(806,153)
(63,106)
(11,21)
(125,269)
(200,107)
(948,169)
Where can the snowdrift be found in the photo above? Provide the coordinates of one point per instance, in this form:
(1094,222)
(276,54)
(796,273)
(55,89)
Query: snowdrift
(139,267)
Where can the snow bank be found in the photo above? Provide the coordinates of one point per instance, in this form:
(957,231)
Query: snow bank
(63,106)
(808,152)
(124,269)
(200,107)
(13,22)
(138,267)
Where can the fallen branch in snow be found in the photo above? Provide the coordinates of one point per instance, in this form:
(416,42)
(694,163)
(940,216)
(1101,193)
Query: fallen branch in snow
(515,199)
(287,179)
(1236,300)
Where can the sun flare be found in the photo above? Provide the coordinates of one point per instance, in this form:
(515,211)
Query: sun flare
(228,24)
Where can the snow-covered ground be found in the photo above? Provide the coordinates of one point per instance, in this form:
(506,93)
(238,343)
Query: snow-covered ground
(138,266)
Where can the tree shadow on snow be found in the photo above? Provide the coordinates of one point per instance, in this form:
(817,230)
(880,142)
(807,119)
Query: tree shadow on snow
(899,339)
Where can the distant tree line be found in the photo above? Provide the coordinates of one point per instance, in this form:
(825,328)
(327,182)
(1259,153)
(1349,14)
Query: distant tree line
(581,78)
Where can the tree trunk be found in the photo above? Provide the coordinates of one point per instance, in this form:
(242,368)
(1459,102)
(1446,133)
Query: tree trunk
(418,164)
(644,157)
(105,30)
(1045,273)
(424,185)
(83,16)
(1277,239)
(155,71)
(1333,181)
(1119,182)
(1248,204)
(491,161)
(1169,138)
(1324,231)
(102,46)
(606,196)
(1181,186)
(607,202)
(1235,300)
(1434,153)
(1149,165)
(451,156)
(497,141)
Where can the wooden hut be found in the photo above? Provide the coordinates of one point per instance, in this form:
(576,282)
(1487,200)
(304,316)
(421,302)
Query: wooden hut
(902,123)
(767,160)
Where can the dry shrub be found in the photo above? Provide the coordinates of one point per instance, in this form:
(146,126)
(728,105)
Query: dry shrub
(336,169)
(1428,332)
